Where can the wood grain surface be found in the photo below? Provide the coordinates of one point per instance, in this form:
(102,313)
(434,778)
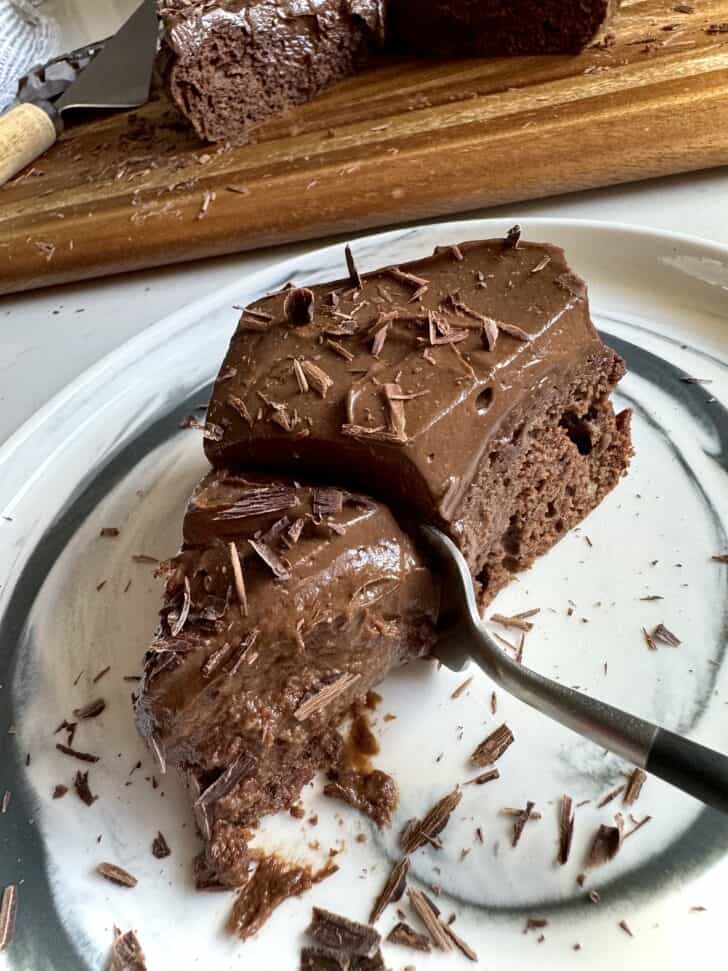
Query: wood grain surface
(405,140)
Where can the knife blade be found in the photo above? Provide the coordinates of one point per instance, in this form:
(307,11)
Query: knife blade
(118,76)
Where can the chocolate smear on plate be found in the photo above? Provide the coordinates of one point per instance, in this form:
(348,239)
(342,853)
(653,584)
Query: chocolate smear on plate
(116,874)
(491,748)
(392,890)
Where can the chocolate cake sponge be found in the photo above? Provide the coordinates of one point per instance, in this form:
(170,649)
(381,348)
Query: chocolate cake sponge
(469,389)
(454,28)
(235,63)
(285,605)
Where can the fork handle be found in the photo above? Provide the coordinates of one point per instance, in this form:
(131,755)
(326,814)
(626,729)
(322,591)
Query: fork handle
(697,770)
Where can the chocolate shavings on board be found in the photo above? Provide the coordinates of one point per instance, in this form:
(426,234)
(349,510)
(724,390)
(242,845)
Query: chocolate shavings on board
(126,953)
(407,936)
(416,833)
(392,890)
(109,871)
(324,695)
(566,829)
(80,784)
(491,748)
(340,933)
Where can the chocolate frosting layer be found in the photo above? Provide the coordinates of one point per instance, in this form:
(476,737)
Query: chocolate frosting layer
(398,381)
(326,586)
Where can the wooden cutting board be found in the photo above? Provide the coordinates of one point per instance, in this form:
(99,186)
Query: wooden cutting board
(405,140)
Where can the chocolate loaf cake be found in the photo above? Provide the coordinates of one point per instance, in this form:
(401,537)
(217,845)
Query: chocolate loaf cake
(469,389)
(285,604)
(454,28)
(233,64)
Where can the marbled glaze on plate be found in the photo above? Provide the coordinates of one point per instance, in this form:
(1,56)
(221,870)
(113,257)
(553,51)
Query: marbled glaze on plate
(109,452)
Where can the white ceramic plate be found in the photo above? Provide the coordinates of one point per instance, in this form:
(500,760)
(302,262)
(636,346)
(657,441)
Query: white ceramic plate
(109,452)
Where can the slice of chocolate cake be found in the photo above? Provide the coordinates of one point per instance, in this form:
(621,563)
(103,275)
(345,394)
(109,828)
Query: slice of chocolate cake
(469,389)
(286,604)
(233,64)
(497,27)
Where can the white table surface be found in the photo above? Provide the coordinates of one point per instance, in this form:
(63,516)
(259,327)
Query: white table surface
(49,337)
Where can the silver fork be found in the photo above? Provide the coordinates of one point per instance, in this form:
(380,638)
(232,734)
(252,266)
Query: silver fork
(697,770)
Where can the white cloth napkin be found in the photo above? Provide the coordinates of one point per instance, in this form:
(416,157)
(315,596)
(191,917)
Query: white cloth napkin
(27,37)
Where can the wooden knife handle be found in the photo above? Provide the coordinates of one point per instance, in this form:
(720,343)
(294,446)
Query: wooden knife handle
(25,133)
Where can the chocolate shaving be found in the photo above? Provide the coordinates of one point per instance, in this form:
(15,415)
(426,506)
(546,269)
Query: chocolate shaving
(259,500)
(493,702)
(92,710)
(218,657)
(378,434)
(271,559)
(634,786)
(648,639)
(81,756)
(160,847)
(298,306)
(317,377)
(535,923)
(542,264)
(59,791)
(491,748)
(339,349)
(326,502)
(102,672)
(392,890)
(515,622)
(334,931)
(239,406)
(144,558)
(351,267)
(513,237)
(127,953)
(325,695)
(637,826)
(109,871)
(425,831)
(484,777)
(109,531)
(80,784)
(407,936)
(625,927)
(8,915)
(395,404)
(606,844)
(242,766)
(176,629)
(611,795)
(461,688)
(238,578)
(324,959)
(7,796)
(520,823)
(720,557)
(429,915)
(158,753)
(665,636)
(513,331)
(566,829)
(300,377)
(380,337)
(489,333)
(418,282)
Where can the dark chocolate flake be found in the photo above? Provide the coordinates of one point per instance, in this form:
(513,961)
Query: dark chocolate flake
(324,959)
(493,747)
(80,784)
(109,531)
(392,890)
(513,237)
(520,823)
(127,953)
(59,791)
(429,915)
(665,636)
(484,777)
(607,843)
(351,267)
(317,377)
(258,500)
(324,695)
(241,767)
(334,931)
(426,830)
(271,559)
(81,756)
(634,786)
(8,916)
(610,796)
(407,936)
(625,927)
(566,829)
(160,847)
(116,874)
(92,710)
(298,306)
(238,405)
